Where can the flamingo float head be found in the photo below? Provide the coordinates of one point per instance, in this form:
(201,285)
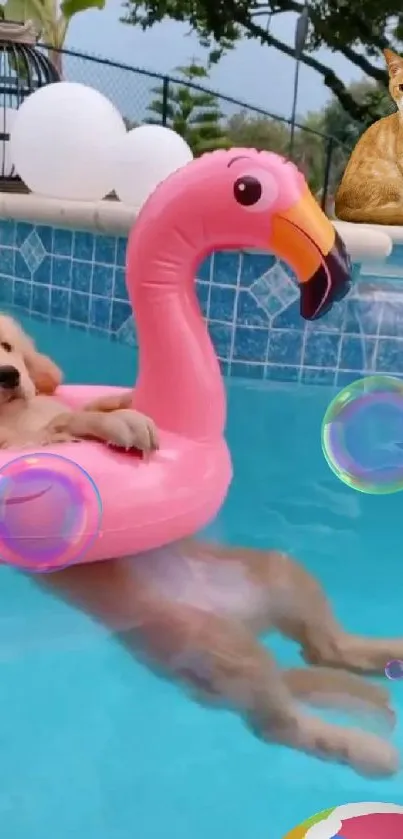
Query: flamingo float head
(226,199)
(243,198)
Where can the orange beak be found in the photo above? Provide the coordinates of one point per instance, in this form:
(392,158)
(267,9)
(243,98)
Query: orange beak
(305,238)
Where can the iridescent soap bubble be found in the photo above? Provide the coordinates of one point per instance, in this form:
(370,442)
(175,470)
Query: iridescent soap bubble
(394,669)
(50,512)
(362,435)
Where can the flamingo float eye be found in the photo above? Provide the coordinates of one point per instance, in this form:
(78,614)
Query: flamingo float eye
(255,192)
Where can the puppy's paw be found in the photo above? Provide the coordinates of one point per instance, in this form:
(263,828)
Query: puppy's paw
(367,753)
(373,758)
(50,435)
(8,439)
(131,430)
(106,404)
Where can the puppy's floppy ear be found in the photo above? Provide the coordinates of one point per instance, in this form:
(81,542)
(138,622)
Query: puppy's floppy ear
(44,373)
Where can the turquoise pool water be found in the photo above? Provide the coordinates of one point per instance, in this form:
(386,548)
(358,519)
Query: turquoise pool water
(93,745)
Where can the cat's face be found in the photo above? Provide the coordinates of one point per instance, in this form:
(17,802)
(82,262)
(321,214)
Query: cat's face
(395,67)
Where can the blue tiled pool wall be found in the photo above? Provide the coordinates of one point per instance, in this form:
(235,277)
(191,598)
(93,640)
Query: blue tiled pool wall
(249,300)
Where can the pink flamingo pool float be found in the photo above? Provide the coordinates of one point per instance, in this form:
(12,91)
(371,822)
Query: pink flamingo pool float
(227,199)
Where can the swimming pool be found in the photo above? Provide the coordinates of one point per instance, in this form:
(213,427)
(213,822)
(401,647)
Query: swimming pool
(92,744)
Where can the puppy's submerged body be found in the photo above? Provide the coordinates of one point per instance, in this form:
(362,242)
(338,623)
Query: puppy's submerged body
(195,610)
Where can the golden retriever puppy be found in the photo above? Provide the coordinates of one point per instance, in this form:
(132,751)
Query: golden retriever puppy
(195,611)
(31,415)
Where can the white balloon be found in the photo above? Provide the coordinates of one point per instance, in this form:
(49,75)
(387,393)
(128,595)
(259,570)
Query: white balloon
(144,158)
(63,139)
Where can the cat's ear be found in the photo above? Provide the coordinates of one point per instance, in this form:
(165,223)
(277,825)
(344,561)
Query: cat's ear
(394,62)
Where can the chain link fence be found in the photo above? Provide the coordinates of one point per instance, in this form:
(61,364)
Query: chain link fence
(143,96)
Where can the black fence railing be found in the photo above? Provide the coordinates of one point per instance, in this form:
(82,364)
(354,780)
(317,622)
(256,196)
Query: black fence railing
(144,96)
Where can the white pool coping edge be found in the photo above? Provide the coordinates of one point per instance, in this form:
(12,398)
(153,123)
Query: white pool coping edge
(108,217)
(367,242)
(363,242)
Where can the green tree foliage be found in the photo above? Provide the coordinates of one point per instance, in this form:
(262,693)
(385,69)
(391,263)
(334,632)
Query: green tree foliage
(310,149)
(52,21)
(258,132)
(358,31)
(337,122)
(191,111)
(197,118)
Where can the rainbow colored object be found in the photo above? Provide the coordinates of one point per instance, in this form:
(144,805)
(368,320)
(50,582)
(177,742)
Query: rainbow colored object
(365,820)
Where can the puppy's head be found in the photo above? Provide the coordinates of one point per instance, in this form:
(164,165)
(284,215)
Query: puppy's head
(23,371)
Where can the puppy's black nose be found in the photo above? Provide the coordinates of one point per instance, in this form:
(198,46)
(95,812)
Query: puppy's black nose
(9,377)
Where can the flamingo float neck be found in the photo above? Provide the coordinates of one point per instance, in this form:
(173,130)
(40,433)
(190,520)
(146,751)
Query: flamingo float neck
(179,372)
(225,199)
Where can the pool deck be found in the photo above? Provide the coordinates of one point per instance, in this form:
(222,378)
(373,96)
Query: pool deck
(112,217)
(107,217)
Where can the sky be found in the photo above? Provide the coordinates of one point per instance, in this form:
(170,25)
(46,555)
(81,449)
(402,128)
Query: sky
(252,73)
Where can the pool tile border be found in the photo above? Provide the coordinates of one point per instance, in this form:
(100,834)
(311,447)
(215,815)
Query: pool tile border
(249,300)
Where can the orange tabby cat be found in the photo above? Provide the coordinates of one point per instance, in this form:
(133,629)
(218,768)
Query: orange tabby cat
(372,186)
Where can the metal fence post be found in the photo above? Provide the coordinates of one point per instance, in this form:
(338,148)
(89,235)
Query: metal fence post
(301,34)
(165,98)
(326,175)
